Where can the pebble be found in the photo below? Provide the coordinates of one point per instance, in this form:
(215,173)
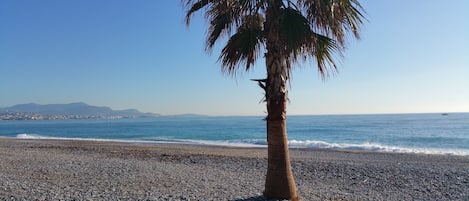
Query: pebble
(77,170)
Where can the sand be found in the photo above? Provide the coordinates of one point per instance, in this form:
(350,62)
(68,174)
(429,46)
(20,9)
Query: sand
(89,170)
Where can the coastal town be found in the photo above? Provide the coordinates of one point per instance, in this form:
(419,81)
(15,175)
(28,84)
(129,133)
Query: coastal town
(79,110)
(37,116)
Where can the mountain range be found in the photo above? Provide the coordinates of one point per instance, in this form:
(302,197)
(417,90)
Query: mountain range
(78,109)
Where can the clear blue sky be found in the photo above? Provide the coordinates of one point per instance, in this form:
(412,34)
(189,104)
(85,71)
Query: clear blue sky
(413,57)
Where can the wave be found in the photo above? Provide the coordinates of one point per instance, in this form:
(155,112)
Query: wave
(375,147)
(233,143)
(31,136)
(27,136)
(308,144)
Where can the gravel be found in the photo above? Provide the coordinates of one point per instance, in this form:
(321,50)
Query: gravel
(88,170)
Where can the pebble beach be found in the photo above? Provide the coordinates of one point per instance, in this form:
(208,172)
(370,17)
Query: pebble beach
(93,170)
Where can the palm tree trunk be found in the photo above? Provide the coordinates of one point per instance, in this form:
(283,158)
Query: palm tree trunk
(279,179)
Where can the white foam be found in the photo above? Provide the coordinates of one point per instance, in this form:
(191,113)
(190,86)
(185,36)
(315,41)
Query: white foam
(30,136)
(42,137)
(262,143)
(231,143)
(234,143)
(375,147)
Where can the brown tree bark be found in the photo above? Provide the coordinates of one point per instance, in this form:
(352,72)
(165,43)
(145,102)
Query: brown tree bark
(279,179)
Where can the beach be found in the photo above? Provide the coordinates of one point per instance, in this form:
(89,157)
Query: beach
(95,170)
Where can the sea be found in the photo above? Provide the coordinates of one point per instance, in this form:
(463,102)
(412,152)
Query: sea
(434,133)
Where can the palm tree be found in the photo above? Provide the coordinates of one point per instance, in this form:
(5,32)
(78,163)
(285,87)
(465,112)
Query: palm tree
(291,31)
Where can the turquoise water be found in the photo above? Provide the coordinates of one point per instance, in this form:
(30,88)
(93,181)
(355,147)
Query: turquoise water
(416,133)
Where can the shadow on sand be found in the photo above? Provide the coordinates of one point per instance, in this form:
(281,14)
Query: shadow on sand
(256,198)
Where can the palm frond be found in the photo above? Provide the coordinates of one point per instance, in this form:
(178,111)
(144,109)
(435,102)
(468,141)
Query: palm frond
(334,18)
(309,29)
(244,46)
(351,10)
(220,25)
(323,49)
(194,7)
(225,15)
(294,29)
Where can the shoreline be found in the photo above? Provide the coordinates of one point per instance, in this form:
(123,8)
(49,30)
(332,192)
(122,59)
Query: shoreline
(69,169)
(352,148)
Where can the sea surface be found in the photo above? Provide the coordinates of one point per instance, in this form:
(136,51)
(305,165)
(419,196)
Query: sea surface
(414,133)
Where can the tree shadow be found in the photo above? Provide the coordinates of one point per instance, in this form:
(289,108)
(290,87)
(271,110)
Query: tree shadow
(256,198)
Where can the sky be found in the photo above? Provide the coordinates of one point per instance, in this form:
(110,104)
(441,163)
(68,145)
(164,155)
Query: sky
(413,57)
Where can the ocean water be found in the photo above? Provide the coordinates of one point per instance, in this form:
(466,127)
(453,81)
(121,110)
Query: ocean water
(414,133)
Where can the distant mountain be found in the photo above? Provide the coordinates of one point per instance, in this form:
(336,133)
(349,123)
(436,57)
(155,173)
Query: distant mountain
(79,109)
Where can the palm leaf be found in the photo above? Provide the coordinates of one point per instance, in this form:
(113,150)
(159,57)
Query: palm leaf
(333,18)
(294,29)
(244,46)
(194,7)
(323,49)
(314,29)
(220,25)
